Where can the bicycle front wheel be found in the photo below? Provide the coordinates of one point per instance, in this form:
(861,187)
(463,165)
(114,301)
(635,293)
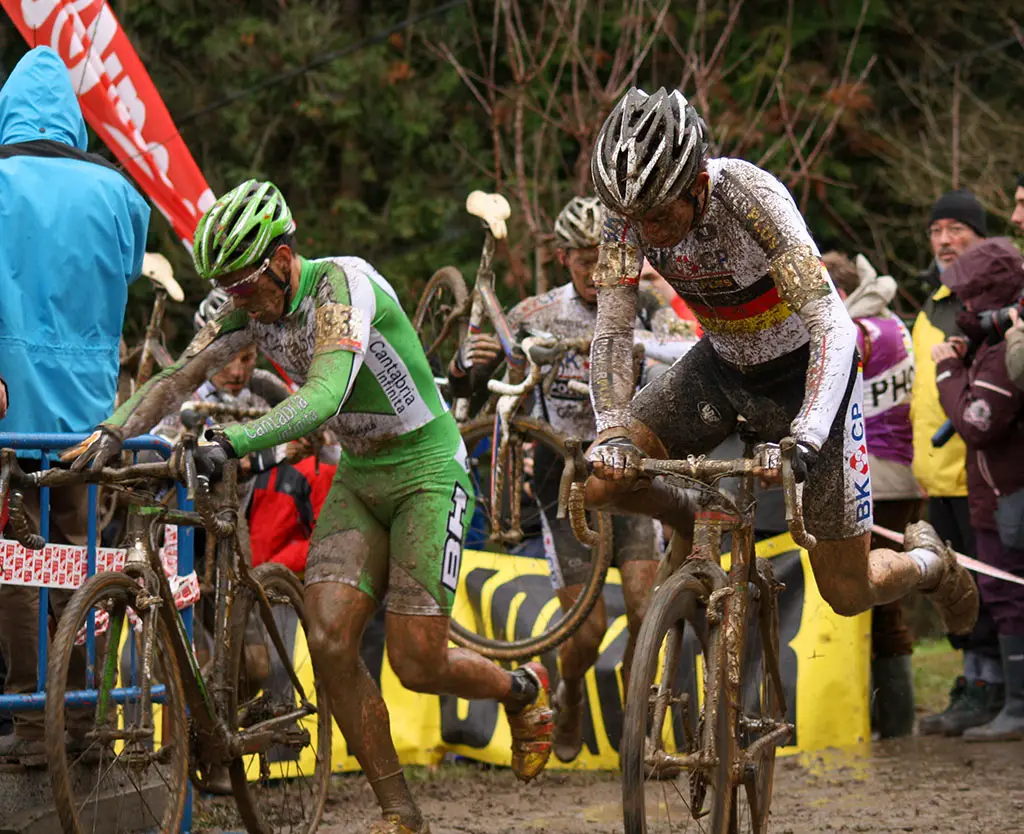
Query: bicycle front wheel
(440,315)
(280,785)
(121,765)
(537,452)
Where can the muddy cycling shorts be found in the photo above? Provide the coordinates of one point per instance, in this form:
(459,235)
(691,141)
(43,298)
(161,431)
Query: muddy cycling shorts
(634,537)
(394,522)
(695,405)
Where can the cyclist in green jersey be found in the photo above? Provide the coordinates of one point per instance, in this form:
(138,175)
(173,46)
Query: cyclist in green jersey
(397,512)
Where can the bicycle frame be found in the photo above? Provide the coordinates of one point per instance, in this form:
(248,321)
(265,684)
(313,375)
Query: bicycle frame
(716,514)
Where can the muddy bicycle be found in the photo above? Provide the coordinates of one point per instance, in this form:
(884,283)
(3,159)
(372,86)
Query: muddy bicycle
(160,720)
(726,735)
(516,464)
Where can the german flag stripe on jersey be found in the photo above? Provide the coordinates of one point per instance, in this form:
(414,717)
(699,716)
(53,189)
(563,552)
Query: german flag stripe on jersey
(702,292)
(714,321)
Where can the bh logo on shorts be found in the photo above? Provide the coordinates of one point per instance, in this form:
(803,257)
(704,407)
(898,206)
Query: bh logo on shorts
(453,544)
(858,462)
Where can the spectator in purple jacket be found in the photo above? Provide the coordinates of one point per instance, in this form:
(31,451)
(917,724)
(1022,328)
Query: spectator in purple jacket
(887,355)
(987,410)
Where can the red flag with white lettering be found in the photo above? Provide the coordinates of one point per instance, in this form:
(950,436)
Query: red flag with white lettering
(119,102)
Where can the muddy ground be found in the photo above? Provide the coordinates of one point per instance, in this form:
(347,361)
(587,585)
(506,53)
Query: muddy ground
(941,786)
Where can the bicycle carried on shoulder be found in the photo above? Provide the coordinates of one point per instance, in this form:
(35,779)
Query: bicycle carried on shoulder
(125,763)
(726,736)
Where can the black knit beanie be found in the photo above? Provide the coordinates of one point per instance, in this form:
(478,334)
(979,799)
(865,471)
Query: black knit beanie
(960,205)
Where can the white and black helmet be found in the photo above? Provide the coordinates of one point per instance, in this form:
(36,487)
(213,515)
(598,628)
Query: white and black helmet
(579,224)
(648,152)
(213,305)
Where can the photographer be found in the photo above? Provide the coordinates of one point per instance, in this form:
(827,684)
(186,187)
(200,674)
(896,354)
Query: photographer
(986,410)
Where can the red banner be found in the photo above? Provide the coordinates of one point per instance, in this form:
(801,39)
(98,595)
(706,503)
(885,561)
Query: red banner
(119,102)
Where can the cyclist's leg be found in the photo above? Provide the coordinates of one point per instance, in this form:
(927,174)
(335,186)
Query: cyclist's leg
(429,508)
(637,555)
(838,510)
(346,577)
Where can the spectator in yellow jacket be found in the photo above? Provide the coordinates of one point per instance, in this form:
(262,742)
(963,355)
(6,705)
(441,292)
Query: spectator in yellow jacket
(957,222)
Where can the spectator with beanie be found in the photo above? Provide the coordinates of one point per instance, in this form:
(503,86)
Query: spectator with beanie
(1015,336)
(888,359)
(957,222)
(986,410)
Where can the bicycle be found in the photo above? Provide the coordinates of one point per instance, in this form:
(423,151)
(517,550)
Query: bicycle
(141,748)
(726,739)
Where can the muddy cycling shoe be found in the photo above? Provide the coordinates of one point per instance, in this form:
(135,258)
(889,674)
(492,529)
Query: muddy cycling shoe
(392,824)
(531,725)
(27,752)
(568,732)
(951,588)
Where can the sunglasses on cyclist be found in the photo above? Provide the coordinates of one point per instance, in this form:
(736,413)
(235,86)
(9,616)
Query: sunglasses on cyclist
(247,286)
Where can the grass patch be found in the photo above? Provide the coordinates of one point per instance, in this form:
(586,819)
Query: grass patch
(936,665)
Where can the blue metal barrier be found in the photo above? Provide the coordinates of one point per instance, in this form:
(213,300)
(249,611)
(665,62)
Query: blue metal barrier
(45,444)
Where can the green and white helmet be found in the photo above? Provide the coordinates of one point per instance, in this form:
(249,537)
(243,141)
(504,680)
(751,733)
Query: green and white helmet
(579,224)
(239,227)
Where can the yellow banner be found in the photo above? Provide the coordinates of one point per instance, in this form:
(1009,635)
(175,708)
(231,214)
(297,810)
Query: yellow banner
(825,667)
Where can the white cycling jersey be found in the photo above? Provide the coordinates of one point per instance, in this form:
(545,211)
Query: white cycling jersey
(561,312)
(752,275)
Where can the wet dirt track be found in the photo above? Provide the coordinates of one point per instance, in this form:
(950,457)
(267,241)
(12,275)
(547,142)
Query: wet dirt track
(921,785)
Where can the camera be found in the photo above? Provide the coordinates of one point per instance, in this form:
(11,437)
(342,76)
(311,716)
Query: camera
(995,323)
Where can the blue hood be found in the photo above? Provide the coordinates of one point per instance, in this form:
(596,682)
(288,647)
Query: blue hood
(38,102)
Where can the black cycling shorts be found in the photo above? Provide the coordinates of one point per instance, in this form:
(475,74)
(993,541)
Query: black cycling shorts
(694,406)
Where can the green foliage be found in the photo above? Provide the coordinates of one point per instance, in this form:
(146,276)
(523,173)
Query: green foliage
(376,150)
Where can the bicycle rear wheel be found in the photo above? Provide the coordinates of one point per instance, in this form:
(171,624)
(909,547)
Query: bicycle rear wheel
(281,784)
(440,317)
(539,624)
(123,764)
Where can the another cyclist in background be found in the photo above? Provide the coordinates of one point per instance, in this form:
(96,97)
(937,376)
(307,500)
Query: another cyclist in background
(570,311)
(396,514)
(779,349)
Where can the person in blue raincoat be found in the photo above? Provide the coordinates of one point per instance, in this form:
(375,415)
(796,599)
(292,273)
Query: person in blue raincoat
(72,236)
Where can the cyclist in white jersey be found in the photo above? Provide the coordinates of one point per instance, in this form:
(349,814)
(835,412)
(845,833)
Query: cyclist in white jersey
(570,311)
(779,349)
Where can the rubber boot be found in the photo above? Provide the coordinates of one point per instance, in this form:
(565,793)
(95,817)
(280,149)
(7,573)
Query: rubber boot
(892,702)
(935,724)
(980,704)
(1008,725)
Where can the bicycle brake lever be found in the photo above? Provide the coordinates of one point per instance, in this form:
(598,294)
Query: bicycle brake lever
(794,513)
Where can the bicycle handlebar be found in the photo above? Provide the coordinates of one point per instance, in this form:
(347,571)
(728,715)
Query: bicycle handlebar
(764,462)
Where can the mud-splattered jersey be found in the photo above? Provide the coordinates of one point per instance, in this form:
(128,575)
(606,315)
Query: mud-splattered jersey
(345,340)
(752,275)
(561,312)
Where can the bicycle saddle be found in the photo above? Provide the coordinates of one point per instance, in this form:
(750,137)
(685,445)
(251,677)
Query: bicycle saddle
(493,209)
(158,270)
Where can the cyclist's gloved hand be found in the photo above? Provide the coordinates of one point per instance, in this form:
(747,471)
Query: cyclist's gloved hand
(212,453)
(96,450)
(616,459)
(803,460)
(477,349)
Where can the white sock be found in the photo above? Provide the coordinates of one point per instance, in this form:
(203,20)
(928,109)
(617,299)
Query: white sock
(930,564)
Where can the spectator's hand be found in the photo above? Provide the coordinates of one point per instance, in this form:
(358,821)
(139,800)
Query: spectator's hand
(95,451)
(948,350)
(616,459)
(1016,319)
(299,449)
(477,349)
(3,399)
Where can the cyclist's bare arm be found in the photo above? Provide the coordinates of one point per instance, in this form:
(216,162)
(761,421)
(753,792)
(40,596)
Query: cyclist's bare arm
(616,277)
